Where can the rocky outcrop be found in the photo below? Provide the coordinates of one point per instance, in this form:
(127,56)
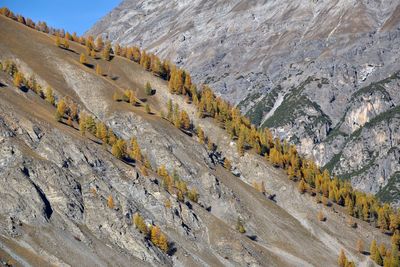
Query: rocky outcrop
(301,68)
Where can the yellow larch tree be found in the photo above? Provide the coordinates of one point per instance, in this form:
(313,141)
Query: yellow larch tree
(82,59)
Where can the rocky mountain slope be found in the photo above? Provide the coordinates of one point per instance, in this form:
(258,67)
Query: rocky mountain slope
(56,184)
(322,73)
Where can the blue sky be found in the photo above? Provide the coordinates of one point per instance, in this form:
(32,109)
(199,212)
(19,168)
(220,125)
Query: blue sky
(71,15)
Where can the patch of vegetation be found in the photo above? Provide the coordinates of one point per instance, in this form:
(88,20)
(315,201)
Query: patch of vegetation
(391,191)
(261,108)
(293,107)
(385,116)
(249,98)
(257,112)
(332,163)
(349,175)
(318,120)
(372,88)
(378,86)
(335,132)
(324,81)
(294,139)
(354,135)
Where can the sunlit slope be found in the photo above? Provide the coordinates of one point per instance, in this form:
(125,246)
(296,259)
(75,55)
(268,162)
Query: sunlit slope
(65,167)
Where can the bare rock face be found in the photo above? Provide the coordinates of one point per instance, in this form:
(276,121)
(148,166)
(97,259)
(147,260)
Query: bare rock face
(302,68)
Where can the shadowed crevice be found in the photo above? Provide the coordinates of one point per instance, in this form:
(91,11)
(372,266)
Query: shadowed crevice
(48,211)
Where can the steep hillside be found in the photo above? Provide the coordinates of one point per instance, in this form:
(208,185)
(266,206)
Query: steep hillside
(306,69)
(68,199)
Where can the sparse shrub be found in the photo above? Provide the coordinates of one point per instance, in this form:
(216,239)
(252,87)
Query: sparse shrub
(147,163)
(58,41)
(92,53)
(110,202)
(158,238)
(135,152)
(227,164)
(321,216)
(180,196)
(325,201)
(116,97)
(200,135)
(49,96)
(396,239)
(18,79)
(239,226)
(61,107)
(82,127)
(93,190)
(117,49)
(351,222)
(69,121)
(373,249)
(302,187)
(260,187)
(98,70)
(90,124)
(73,108)
(112,139)
(144,171)
(170,110)
(140,224)
(99,43)
(106,53)
(66,44)
(382,249)
(101,132)
(130,97)
(378,258)
(318,199)
(148,89)
(184,120)
(193,195)
(163,243)
(147,108)
(82,59)
(210,145)
(240,144)
(342,260)
(118,149)
(58,116)
(360,246)
(162,171)
(168,204)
